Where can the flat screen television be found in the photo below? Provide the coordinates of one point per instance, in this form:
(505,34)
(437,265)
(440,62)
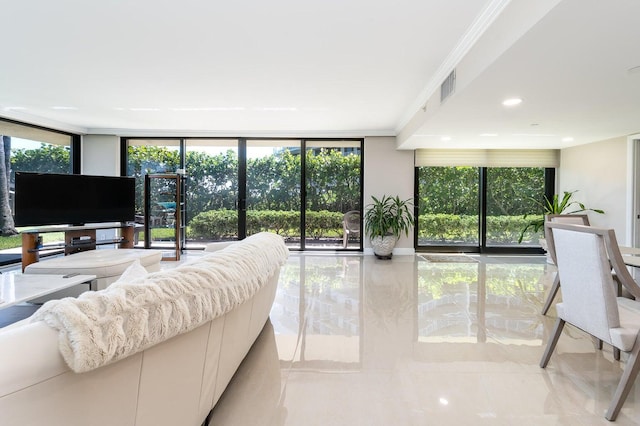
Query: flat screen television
(62,199)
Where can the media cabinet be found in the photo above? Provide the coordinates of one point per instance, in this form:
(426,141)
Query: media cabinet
(76,239)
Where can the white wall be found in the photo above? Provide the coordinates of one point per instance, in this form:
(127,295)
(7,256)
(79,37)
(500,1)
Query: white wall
(388,171)
(599,171)
(101,155)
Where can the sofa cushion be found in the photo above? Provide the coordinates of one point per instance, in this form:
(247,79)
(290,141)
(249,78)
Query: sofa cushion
(134,273)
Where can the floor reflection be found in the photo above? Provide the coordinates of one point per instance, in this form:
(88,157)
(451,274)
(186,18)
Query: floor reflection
(418,340)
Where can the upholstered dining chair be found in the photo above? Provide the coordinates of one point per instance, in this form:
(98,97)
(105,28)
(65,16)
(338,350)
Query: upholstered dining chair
(350,226)
(575,219)
(585,257)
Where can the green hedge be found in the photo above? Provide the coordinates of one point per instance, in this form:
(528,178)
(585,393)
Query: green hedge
(446,228)
(220,224)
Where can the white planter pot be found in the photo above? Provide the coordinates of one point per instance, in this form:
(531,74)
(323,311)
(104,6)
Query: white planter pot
(383,246)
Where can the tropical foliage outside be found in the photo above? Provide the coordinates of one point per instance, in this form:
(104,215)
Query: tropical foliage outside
(448,204)
(273,201)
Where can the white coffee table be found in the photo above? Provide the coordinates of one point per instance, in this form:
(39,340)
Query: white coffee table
(17,288)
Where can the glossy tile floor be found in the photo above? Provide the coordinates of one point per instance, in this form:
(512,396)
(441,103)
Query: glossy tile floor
(419,340)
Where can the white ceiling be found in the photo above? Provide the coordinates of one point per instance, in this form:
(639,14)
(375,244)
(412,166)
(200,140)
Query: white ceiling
(326,68)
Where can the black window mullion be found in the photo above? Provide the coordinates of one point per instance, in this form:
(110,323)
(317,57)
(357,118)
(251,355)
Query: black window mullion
(303,193)
(482,199)
(242,188)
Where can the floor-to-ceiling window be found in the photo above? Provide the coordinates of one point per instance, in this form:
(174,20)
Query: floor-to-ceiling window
(27,148)
(212,190)
(236,187)
(512,193)
(273,196)
(148,157)
(481,200)
(448,206)
(332,188)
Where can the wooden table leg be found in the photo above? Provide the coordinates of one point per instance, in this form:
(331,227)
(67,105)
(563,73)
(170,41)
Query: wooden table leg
(29,253)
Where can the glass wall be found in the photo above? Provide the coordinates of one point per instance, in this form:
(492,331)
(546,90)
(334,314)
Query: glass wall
(478,209)
(513,192)
(333,188)
(237,187)
(29,149)
(448,206)
(273,188)
(212,190)
(146,157)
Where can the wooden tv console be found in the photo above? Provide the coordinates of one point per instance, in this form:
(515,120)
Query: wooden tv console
(76,239)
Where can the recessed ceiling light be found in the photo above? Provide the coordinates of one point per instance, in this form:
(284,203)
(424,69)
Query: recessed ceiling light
(14,108)
(144,109)
(445,138)
(512,102)
(567,139)
(64,108)
(489,134)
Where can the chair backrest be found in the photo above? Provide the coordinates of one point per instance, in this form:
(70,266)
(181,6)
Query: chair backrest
(574,219)
(351,220)
(588,290)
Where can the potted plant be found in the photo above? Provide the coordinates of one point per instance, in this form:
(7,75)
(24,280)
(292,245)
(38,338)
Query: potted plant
(555,206)
(385,220)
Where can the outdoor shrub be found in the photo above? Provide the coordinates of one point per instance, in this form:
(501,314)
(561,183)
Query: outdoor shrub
(440,228)
(218,224)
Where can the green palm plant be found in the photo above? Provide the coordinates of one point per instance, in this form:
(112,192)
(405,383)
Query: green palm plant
(556,205)
(388,216)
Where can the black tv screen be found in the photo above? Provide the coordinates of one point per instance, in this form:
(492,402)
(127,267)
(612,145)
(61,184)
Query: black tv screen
(59,199)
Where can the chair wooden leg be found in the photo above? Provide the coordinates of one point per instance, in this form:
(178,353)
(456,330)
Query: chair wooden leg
(552,294)
(616,354)
(626,382)
(553,340)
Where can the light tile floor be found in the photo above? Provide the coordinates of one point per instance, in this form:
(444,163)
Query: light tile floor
(418,340)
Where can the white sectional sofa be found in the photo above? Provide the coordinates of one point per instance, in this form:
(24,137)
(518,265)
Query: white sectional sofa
(157,349)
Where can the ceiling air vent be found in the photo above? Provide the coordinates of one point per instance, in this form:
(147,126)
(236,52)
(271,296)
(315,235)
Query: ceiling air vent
(448,86)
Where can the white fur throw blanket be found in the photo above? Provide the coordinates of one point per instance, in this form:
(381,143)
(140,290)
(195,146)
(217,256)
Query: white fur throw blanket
(102,327)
